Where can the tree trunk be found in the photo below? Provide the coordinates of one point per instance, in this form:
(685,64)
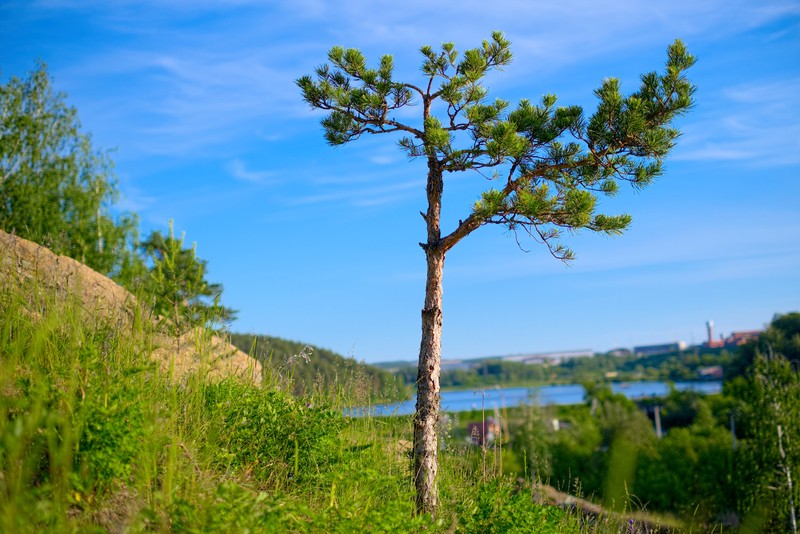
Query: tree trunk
(788,471)
(426,421)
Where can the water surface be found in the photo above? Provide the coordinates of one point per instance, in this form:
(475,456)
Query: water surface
(491,398)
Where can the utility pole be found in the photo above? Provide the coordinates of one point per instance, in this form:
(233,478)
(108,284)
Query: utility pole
(658,421)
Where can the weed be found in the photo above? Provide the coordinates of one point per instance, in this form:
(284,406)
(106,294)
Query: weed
(269,434)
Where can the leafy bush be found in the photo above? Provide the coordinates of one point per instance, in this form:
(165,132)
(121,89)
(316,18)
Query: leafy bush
(110,442)
(232,508)
(268,433)
(688,472)
(500,507)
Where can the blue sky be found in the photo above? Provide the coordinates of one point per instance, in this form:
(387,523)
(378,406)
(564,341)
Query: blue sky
(197,100)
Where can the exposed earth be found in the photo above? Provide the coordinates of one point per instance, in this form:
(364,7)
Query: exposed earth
(42,273)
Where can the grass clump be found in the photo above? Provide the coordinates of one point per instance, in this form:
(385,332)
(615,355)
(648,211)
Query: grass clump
(269,434)
(499,507)
(72,422)
(233,508)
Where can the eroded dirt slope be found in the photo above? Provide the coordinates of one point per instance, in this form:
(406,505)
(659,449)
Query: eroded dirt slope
(25,264)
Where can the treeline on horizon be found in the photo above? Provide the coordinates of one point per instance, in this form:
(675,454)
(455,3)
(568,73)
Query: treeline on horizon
(312,368)
(673,366)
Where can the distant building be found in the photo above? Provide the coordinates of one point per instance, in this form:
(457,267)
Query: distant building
(619,353)
(544,358)
(734,340)
(454,365)
(652,350)
(740,338)
(559,425)
(533,360)
(483,432)
(515,357)
(712,343)
(713,372)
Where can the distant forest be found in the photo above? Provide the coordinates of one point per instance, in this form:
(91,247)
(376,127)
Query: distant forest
(673,366)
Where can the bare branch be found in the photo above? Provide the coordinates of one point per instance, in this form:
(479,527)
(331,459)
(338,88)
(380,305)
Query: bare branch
(464,228)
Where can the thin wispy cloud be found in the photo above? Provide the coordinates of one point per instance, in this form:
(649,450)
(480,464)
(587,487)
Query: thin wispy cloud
(693,273)
(188,98)
(239,170)
(363,196)
(684,269)
(770,234)
(383,159)
(778,95)
(756,122)
(551,34)
(186,208)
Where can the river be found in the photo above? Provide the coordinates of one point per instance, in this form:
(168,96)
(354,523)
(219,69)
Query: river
(496,397)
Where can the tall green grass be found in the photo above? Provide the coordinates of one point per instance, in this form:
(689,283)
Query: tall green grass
(95,436)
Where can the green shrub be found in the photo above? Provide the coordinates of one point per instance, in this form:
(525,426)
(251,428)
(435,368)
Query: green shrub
(268,433)
(232,508)
(500,507)
(111,440)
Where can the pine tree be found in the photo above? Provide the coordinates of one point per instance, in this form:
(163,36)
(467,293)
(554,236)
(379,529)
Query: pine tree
(177,287)
(550,163)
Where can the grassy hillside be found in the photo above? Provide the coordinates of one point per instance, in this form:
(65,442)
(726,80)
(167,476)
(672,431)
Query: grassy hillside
(96,437)
(313,369)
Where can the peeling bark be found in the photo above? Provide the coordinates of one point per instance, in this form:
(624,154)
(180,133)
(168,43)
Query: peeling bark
(426,420)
